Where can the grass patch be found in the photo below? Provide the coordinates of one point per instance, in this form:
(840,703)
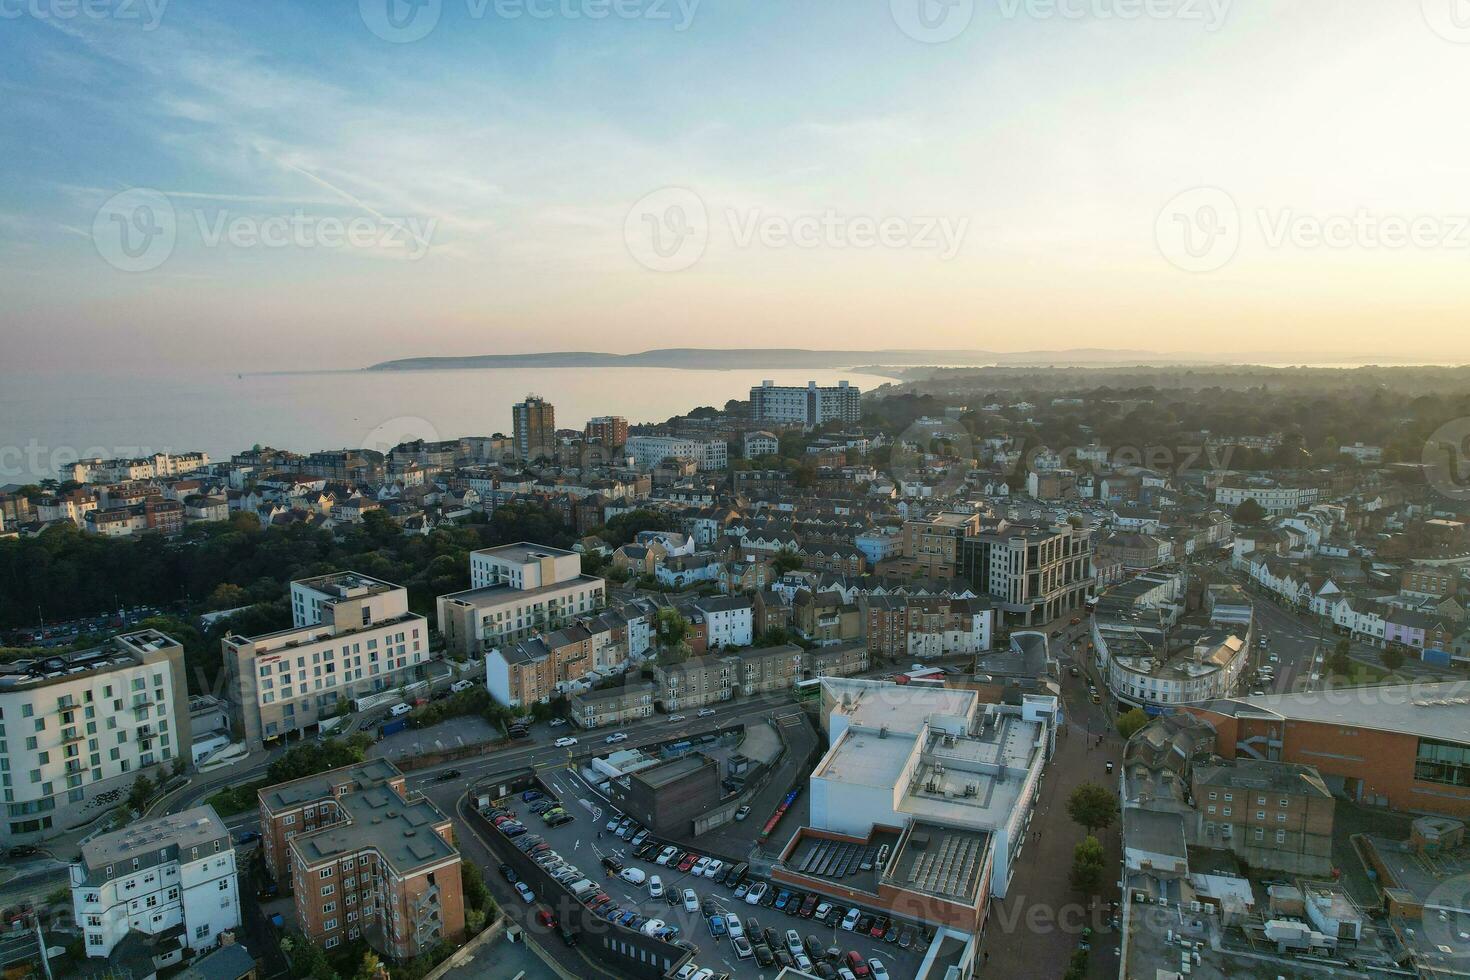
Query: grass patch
(236,799)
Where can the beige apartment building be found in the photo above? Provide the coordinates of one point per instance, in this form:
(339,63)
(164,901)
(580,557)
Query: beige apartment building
(365,859)
(702,681)
(76,729)
(612,706)
(516,591)
(353,636)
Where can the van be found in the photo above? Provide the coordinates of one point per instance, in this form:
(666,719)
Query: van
(399,710)
(580,888)
(460,686)
(633,876)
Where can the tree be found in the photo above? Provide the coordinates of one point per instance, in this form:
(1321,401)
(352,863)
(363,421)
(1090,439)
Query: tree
(1131,721)
(226,595)
(1340,663)
(787,560)
(1392,657)
(141,793)
(1092,806)
(309,758)
(1089,864)
(1249,512)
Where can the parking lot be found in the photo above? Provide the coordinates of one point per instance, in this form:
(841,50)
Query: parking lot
(586,841)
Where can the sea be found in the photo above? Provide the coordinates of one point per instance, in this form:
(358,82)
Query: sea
(48,421)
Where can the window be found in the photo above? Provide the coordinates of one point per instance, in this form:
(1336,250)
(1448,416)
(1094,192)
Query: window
(329,907)
(1442,762)
(329,924)
(201,931)
(332,942)
(328,890)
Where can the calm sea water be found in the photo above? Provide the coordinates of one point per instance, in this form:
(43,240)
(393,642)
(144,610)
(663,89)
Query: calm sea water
(46,421)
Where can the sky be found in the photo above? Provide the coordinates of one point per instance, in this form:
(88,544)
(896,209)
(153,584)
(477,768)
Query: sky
(268,185)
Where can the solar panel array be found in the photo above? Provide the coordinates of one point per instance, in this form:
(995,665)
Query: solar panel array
(948,869)
(835,859)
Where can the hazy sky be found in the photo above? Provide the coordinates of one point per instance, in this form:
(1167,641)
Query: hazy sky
(328,184)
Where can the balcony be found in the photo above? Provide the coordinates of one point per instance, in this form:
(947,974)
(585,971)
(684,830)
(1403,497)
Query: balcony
(69,735)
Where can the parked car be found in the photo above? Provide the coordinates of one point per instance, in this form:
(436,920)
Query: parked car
(546,918)
(756,893)
(741,946)
(717,926)
(655,886)
(691,900)
(688,861)
(677,718)
(463,685)
(808,906)
(743,812)
(857,964)
(850,921)
(714,868)
(741,890)
(633,876)
(906,938)
(733,925)
(879,971)
(664,855)
(639,838)
(763,955)
(698,868)
(524,890)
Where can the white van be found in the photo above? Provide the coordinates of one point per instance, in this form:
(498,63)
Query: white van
(633,876)
(399,710)
(463,685)
(580,888)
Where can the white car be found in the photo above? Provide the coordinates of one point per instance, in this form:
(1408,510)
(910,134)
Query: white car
(758,891)
(821,912)
(843,973)
(793,941)
(652,926)
(556,723)
(686,971)
(714,868)
(849,921)
(677,718)
(733,926)
(803,961)
(880,972)
(615,737)
(614,818)
(663,856)
(524,890)
(704,975)
(633,876)
(459,686)
(699,868)
(1274,659)
(565,742)
(706,712)
(743,812)
(691,900)
(399,710)
(655,887)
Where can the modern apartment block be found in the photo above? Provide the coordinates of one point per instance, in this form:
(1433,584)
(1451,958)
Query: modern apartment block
(610,430)
(534,428)
(1035,572)
(811,405)
(365,859)
(171,880)
(353,635)
(98,470)
(516,591)
(77,729)
(707,454)
(931,545)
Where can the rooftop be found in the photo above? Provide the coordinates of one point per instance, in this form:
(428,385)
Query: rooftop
(400,830)
(523,552)
(1439,711)
(125,650)
(148,840)
(899,708)
(309,789)
(493,595)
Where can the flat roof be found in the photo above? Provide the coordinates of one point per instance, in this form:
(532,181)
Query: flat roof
(862,758)
(402,831)
(146,840)
(523,551)
(672,770)
(897,707)
(493,595)
(941,861)
(309,789)
(1438,711)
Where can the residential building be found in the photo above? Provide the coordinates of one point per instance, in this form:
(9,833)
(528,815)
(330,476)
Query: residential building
(931,545)
(812,405)
(668,797)
(610,430)
(919,627)
(709,455)
(98,470)
(702,681)
(1362,453)
(612,706)
(79,728)
(536,669)
(534,428)
(352,636)
(365,859)
(172,879)
(1275,816)
(517,591)
(1430,581)
(1274,499)
(761,443)
(728,620)
(1138,552)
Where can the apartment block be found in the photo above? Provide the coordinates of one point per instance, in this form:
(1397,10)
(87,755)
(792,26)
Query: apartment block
(649,451)
(365,859)
(612,706)
(98,470)
(931,545)
(540,667)
(702,681)
(911,626)
(1430,581)
(352,636)
(77,729)
(172,880)
(610,430)
(1274,815)
(516,591)
(811,405)
(1035,572)
(534,428)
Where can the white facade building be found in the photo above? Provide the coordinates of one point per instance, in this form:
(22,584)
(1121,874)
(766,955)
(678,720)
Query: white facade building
(171,875)
(811,405)
(649,451)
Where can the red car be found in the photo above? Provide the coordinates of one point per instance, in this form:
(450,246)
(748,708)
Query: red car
(688,862)
(880,926)
(546,919)
(857,964)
